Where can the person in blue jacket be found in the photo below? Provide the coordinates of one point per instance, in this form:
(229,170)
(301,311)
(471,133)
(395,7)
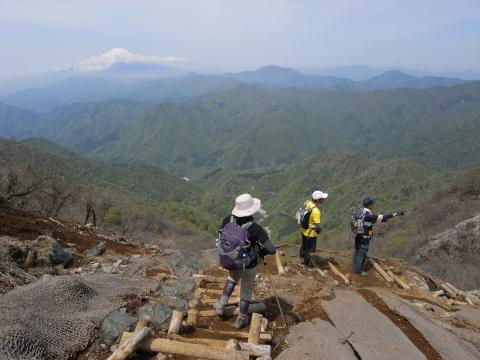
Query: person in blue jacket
(362,240)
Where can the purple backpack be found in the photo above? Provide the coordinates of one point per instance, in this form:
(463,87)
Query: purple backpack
(234,247)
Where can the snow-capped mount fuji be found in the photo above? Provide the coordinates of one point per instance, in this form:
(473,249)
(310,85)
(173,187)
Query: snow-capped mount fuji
(117,64)
(120,64)
(117,56)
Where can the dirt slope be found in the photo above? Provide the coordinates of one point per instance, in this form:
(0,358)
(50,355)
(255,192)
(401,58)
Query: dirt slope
(320,315)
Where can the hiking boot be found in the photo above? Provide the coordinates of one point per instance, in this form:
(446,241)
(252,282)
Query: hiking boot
(220,305)
(363,273)
(241,322)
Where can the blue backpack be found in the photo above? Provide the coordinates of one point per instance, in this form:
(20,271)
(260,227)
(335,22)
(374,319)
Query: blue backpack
(234,247)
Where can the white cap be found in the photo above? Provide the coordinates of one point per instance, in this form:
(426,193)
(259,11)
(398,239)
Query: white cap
(319,195)
(246,205)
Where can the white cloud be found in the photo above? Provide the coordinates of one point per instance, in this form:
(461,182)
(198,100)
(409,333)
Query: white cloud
(121,55)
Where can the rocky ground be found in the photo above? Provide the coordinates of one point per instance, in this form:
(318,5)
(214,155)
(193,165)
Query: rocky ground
(317,316)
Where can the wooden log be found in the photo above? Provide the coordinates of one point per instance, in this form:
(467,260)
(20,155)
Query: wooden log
(201,293)
(144,321)
(193,303)
(255,329)
(320,271)
(189,349)
(256,350)
(267,337)
(458,293)
(264,325)
(231,311)
(399,281)
(469,301)
(159,356)
(175,322)
(129,346)
(281,270)
(214,343)
(253,350)
(449,291)
(206,293)
(378,258)
(192,317)
(339,273)
(231,301)
(232,344)
(199,283)
(210,279)
(31,259)
(381,271)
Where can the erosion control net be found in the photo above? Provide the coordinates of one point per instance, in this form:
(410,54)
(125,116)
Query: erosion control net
(56,317)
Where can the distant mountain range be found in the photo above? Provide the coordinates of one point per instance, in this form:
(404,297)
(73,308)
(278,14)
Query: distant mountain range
(365,72)
(98,89)
(248,127)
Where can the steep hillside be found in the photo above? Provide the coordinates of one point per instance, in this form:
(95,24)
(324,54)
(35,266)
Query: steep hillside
(105,285)
(249,127)
(136,199)
(15,122)
(346,176)
(83,126)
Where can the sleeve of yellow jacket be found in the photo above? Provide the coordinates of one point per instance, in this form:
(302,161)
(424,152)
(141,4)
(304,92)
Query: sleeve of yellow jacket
(314,220)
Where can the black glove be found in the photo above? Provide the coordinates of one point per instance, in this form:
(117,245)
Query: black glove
(400,212)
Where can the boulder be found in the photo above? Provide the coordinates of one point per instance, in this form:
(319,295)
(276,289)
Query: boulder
(114,325)
(161,311)
(180,288)
(50,252)
(4,202)
(97,250)
(454,254)
(159,314)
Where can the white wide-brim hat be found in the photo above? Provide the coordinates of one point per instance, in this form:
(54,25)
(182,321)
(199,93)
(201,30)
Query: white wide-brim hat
(246,205)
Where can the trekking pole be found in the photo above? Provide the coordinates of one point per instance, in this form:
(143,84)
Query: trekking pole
(275,295)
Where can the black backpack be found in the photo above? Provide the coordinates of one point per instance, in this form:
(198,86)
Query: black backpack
(357,220)
(303,215)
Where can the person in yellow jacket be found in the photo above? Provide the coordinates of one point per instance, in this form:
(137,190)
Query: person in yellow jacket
(309,235)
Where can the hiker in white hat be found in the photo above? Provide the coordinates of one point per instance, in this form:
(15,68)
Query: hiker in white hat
(310,226)
(241,244)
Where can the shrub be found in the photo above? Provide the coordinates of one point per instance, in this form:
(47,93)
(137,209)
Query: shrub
(113,216)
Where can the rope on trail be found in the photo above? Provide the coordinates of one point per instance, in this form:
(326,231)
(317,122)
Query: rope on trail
(275,295)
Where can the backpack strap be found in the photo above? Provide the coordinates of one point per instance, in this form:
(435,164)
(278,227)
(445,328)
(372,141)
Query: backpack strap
(244,226)
(311,209)
(247,225)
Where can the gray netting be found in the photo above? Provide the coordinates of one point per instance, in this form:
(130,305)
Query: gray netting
(56,317)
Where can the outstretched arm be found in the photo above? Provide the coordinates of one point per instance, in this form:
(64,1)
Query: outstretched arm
(376,218)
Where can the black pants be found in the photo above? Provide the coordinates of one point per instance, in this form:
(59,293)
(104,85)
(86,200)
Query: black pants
(360,253)
(309,246)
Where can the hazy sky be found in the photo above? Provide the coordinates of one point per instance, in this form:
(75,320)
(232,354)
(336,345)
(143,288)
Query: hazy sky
(230,35)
